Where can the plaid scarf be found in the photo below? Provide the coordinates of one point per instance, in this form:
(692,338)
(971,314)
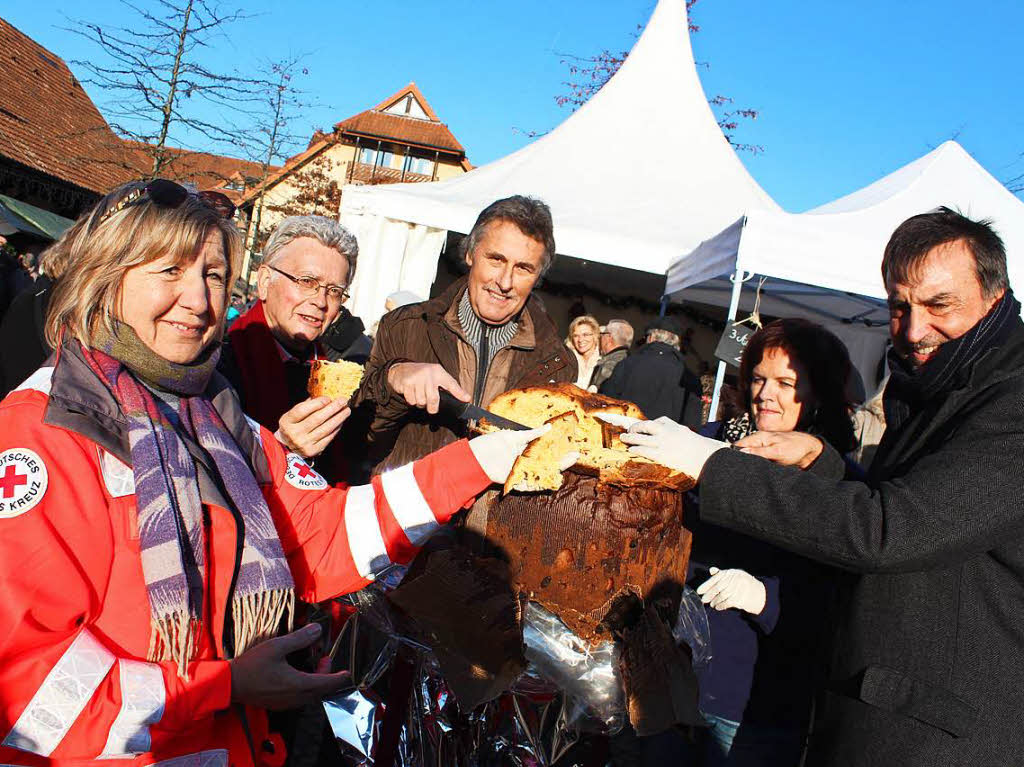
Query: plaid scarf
(170,512)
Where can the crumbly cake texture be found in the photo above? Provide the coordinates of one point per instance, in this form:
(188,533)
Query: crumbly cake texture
(602,453)
(538,467)
(337,380)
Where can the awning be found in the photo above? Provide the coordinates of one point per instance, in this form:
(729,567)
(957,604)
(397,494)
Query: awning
(20,217)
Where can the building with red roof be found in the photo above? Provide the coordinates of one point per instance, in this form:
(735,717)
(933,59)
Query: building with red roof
(57,152)
(401,139)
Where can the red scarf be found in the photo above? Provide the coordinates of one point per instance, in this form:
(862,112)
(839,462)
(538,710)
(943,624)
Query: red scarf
(264,386)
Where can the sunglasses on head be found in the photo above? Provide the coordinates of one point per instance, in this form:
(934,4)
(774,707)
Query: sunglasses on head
(170,194)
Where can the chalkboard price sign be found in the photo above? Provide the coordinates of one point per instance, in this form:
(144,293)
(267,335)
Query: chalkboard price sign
(732,343)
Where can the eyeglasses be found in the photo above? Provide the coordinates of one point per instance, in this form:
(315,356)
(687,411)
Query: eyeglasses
(170,194)
(311,286)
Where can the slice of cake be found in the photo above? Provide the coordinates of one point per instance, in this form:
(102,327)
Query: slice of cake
(538,467)
(602,452)
(337,380)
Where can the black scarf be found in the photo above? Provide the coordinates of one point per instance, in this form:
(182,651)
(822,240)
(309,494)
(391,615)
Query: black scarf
(910,387)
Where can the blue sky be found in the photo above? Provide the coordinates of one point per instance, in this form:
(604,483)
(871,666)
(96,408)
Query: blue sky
(846,91)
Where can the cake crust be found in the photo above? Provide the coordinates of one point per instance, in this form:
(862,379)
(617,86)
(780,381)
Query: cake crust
(602,453)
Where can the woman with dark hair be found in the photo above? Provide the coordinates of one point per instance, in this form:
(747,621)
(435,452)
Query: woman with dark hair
(768,609)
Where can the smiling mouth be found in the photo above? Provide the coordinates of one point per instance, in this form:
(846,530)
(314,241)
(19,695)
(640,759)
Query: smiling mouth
(316,321)
(185,329)
(498,296)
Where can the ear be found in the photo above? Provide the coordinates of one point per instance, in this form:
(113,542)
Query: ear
(469,259)
(263,282)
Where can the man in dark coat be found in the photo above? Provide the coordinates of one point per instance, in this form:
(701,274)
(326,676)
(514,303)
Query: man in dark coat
(927,667)
(616,338)
(655,377)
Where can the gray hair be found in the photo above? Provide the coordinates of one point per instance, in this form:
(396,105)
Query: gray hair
(531,216)
(665,336)
(326,231)
(621,331)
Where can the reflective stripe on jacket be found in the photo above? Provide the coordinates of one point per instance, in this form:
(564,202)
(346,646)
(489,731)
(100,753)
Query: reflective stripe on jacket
(75,683)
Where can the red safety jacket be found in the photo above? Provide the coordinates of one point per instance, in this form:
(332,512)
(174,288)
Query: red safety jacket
(75,685)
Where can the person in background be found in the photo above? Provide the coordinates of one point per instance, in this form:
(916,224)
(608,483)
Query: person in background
(395,300)
(13,277)
(869,424)
(934,533)
(769,611)
(345,339)
(615,340)
(582,341)
(23,331)
(308,264)
(235,309)
(155,539)
(655,376)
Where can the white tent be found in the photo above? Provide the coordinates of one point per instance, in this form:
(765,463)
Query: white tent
(837,248)
(839,245)
(638,175)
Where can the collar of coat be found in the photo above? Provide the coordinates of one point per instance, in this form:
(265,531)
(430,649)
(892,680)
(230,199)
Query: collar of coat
(531,318)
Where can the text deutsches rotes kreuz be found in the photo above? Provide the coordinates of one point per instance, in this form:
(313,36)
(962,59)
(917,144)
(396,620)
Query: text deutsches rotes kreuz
(23,481)
(300,475)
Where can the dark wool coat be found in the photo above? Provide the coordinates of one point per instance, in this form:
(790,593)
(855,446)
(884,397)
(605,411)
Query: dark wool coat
(656,380)
(928,668)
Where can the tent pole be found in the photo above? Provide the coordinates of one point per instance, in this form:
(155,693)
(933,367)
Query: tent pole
(734,305)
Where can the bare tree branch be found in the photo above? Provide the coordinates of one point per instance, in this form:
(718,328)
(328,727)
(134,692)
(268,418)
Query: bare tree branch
(157,84)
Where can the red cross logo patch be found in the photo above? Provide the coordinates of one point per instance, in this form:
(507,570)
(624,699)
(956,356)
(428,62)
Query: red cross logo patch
(301,475)
(22,481)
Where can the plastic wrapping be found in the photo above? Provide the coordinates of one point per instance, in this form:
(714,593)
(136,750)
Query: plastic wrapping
(587,675)
(567,689)
(692,629)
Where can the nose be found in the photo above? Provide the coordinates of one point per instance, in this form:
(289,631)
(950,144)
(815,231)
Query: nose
(504,278)
(764,392)
(915,325)
(195,295)
(319,298)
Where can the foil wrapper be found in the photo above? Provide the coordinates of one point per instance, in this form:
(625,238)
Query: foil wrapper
(568,690)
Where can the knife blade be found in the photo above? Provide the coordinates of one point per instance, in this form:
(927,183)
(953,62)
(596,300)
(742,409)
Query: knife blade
(467,411)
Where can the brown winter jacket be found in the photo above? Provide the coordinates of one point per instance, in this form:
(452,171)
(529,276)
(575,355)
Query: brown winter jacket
(430,332)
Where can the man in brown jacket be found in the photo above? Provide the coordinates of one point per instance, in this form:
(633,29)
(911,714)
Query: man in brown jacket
(484,335)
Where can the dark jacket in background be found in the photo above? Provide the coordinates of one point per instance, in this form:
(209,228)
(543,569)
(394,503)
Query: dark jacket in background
(927,669)
(605,365)
(346,339)
(656,379)
(14,280)
(22,335)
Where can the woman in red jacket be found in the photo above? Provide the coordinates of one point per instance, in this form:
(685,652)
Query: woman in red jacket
(152,538)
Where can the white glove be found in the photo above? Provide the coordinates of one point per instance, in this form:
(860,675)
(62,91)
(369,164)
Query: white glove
(733,588)
(497,452)
(671,444)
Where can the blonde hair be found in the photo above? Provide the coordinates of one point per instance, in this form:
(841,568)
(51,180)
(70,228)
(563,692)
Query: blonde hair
(583,319)
(53,261)
(103,250)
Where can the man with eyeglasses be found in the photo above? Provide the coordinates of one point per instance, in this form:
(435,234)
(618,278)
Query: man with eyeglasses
(308,264)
